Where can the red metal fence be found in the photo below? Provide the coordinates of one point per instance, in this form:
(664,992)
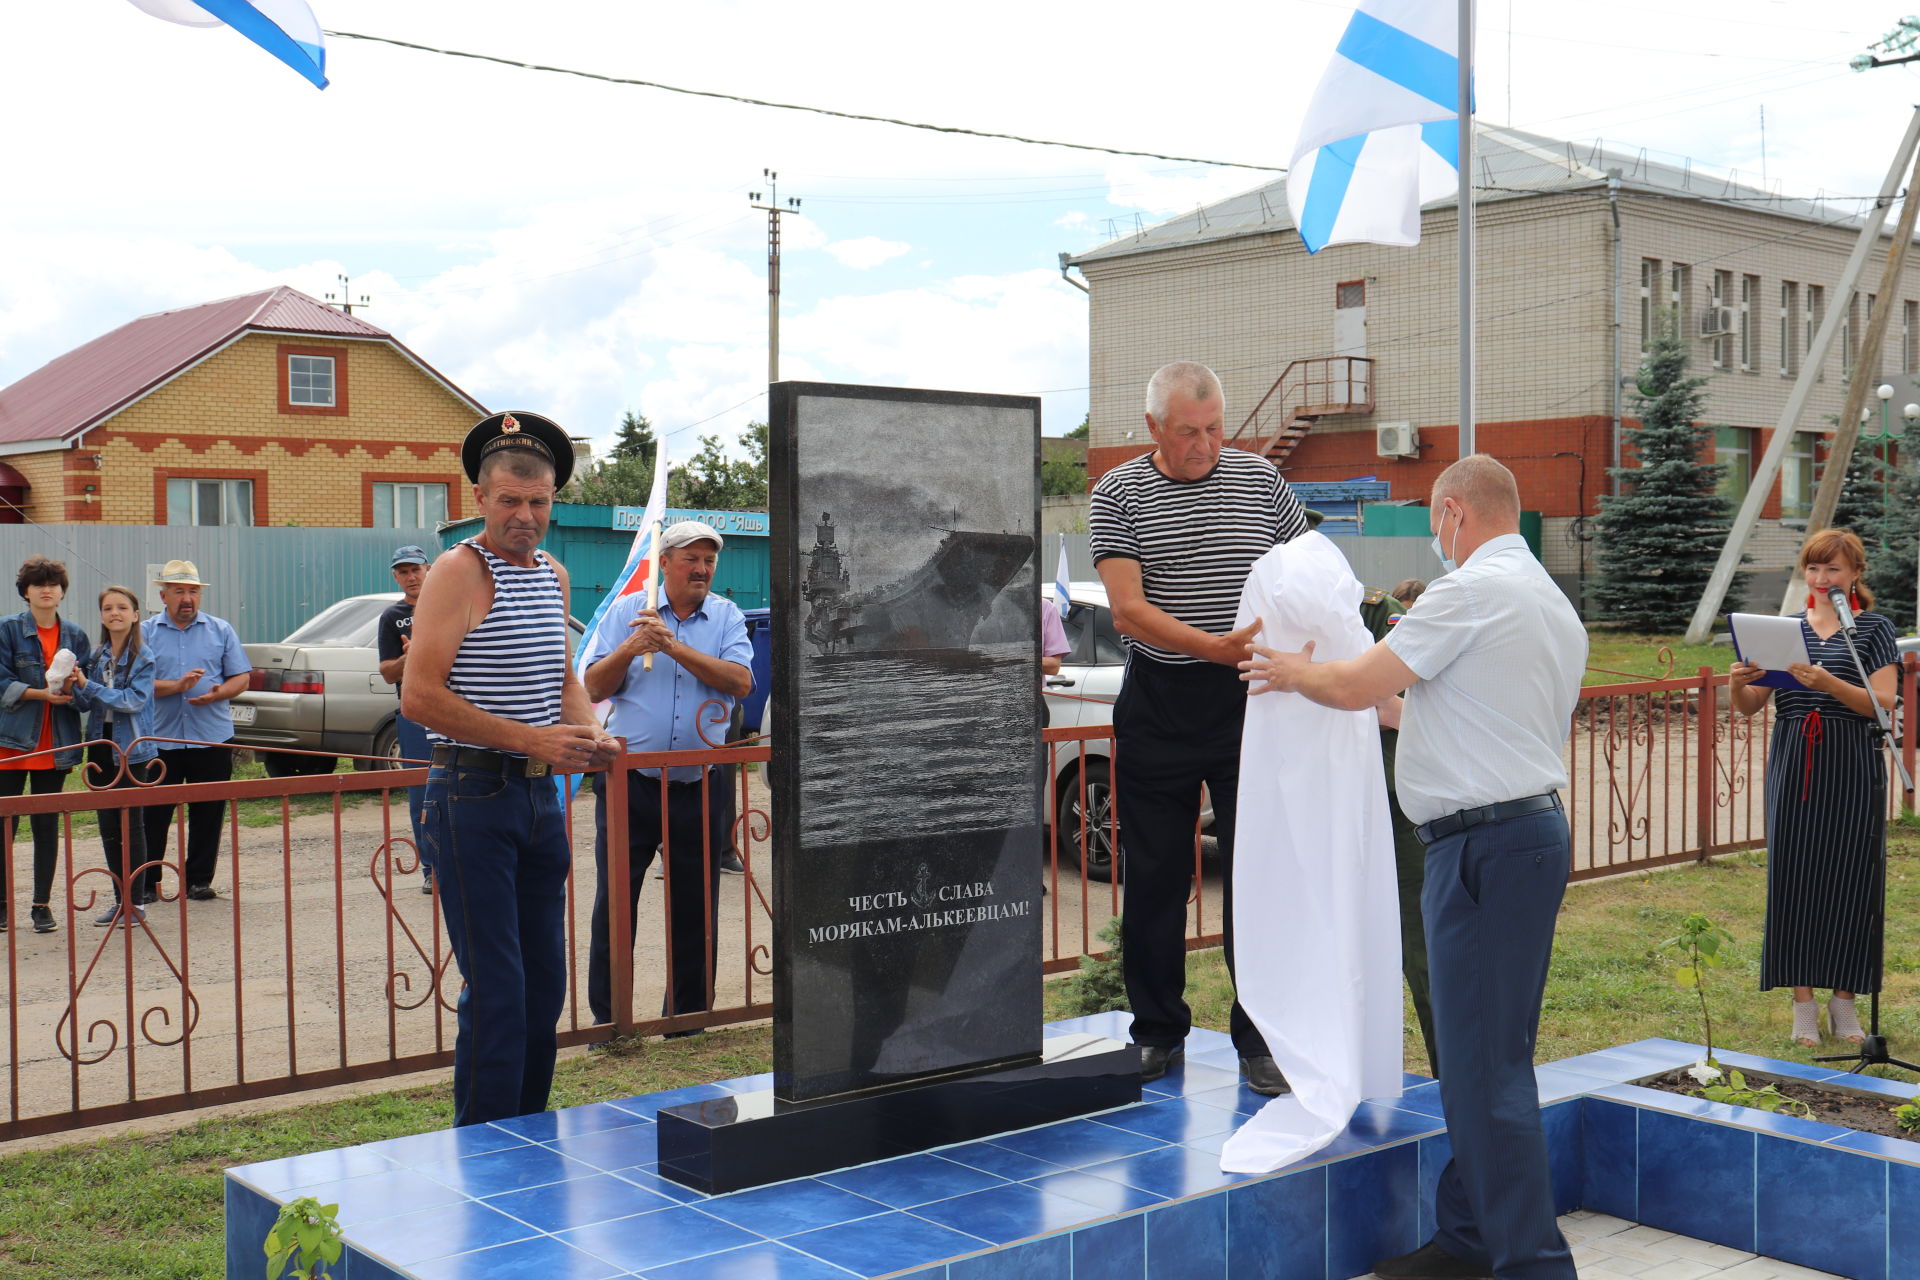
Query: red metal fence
(323,963)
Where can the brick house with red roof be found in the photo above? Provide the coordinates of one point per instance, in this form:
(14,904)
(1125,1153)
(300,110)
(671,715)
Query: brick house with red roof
(266,409)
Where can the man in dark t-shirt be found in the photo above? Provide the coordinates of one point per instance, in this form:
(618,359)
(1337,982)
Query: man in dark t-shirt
(395,629)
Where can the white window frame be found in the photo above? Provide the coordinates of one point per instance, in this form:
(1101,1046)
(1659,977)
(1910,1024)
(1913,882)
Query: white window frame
(303,385)
(412,493)
(1649,279)
(187,496)
(1789,306)
(1749,337)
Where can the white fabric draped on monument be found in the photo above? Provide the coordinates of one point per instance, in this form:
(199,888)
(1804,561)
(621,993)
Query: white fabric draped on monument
(1316,910)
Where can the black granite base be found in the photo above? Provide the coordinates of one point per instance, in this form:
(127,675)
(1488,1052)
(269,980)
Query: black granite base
(748,1140)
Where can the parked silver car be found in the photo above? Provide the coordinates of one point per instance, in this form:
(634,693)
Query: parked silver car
(1082,694)
(320,690)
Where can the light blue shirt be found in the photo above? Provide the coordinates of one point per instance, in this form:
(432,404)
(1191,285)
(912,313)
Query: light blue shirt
(660,710)
(209,643)
(1500,653)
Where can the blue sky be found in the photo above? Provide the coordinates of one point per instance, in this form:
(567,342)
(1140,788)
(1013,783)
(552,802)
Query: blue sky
(582,248)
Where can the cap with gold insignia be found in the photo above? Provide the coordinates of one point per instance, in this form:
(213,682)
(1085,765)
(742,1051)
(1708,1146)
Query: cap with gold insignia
(518,429)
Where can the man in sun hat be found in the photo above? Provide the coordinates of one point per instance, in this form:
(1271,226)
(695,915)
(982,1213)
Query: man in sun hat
(703,665)
(200,666)
(490,676)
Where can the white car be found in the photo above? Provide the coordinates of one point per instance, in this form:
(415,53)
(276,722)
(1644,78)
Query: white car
(1082,694)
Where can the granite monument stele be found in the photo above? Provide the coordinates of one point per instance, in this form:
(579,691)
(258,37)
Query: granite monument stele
(908,785)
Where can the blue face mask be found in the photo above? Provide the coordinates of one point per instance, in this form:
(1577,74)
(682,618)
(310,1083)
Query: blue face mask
(1446,560)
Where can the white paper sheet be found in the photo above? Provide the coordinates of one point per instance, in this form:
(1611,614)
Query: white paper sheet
(1773,643)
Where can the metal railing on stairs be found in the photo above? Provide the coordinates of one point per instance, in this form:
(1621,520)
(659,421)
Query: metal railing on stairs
(1305,391)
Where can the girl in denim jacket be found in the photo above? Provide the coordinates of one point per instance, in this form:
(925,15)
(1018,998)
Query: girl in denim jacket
(115,689)
(39,729)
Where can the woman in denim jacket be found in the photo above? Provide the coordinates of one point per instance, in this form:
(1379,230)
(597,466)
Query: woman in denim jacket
(115,689)
(39,729)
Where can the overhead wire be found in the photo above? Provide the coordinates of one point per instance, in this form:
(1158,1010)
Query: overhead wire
(795,106)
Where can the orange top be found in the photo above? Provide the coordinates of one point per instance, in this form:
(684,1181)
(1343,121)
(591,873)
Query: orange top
(18,760)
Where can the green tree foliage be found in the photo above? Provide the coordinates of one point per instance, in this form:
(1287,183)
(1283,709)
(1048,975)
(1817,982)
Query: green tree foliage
(1877,502)
(1660,536)
(634,438)
(710,479)
(1101,985)
(1059,478)
(1083,430)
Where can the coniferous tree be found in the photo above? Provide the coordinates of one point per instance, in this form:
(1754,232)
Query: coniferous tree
(634,439)
(1659,538)
(1893,537)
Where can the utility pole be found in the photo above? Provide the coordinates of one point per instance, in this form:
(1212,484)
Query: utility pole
(345,299)
(1769,469)
(774,209)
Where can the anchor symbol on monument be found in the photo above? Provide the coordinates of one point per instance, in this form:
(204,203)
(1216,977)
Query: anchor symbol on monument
(923,896)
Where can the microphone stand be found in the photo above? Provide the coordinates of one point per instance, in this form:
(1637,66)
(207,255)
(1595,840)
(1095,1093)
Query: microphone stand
(1873,1047)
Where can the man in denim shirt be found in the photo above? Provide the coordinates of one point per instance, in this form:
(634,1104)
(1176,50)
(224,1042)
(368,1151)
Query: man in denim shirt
(199,667)
(701,666)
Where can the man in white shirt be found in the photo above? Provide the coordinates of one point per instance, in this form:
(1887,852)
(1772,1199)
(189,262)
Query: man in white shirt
(1490,659)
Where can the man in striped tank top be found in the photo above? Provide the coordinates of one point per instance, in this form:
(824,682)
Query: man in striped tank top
(490,677)
(1174,534)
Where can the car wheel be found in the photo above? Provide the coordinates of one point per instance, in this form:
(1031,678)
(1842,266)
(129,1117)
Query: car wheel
(280,764)
(386,749)
(1094,817)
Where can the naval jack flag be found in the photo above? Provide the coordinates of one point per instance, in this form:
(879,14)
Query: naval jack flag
(286,29)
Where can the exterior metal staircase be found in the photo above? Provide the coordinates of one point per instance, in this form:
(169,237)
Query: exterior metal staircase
(1306,391)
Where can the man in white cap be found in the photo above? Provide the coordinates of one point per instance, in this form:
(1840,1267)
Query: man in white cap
(701,666)
(200,667)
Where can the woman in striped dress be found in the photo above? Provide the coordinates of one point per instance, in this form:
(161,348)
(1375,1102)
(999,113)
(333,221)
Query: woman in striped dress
(1826,796)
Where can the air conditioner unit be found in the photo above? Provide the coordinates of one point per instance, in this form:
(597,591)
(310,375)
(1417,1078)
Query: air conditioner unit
(1396,440)
(1716,322)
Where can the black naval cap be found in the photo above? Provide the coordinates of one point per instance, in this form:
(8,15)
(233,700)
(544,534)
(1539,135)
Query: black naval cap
(518,429)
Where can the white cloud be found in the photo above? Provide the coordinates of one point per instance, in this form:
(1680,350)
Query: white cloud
(864,252)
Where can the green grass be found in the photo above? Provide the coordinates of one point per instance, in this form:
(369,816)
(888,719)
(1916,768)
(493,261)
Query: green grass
(150,1207)
(1638,656)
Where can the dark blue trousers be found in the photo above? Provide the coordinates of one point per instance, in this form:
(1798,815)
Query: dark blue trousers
(414,746)
(498,847)
(1491,898)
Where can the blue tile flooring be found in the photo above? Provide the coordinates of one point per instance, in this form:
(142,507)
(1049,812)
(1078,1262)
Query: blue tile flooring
(577,1193)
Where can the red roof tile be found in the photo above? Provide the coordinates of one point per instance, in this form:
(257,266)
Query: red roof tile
(75,391)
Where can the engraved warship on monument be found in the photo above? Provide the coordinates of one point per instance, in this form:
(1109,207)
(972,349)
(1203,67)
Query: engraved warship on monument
(937,606)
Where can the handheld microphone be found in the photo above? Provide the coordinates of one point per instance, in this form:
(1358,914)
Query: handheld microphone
(1841,608)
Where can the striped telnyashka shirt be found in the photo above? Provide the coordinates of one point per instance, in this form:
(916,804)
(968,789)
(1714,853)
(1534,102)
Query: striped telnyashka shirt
(1196,540)
(514,664)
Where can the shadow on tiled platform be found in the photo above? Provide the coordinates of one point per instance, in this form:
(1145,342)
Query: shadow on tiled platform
(1138,1191)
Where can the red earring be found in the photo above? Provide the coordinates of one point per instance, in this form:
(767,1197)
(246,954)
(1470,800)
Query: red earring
(1809,599)
(1853,599)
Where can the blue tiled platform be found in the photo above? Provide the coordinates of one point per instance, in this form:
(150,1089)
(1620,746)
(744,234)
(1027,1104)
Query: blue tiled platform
(1135,1192)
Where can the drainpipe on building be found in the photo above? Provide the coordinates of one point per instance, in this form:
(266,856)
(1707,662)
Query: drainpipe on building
(1066,267)
(1613,207)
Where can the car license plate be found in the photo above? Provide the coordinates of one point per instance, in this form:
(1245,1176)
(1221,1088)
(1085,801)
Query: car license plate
(242,713)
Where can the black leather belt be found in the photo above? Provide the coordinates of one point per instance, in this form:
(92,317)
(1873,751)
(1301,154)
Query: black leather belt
(1441,828)
(446,757)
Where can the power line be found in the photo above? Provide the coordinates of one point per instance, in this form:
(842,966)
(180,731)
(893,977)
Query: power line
(793,106)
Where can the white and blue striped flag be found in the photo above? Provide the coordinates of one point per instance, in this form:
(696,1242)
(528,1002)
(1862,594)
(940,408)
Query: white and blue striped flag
(1380,137)
(1061,596)
(286,29)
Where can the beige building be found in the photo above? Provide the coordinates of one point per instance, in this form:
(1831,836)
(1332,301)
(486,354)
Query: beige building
(1580,249)
(267,409)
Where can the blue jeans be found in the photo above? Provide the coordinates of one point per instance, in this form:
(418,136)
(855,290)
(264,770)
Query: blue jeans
(498,847)
(414,746)
(1491,898)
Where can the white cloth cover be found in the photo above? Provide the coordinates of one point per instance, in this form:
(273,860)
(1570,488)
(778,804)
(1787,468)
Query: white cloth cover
(1316,899)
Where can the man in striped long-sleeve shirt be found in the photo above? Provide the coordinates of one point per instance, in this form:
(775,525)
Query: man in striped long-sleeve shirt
(1174,534)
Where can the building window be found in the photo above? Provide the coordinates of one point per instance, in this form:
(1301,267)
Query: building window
(310,380)
(1722,303)
(1649,303)
(216,502)
(1749,335)
(1798,477)
(1679,280)
(409,506)
(1816,316)
(1789,328)
(1733,452)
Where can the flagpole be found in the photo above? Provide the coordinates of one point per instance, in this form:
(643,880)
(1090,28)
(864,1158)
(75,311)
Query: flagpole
(1465,61)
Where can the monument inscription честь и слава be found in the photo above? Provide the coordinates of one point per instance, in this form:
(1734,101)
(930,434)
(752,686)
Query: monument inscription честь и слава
(908,809)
